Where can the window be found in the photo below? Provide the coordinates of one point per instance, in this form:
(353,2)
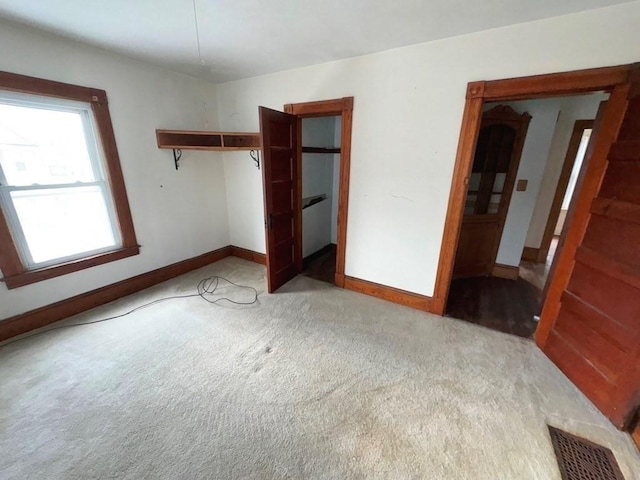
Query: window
(62,197)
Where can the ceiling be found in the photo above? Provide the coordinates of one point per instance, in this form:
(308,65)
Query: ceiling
(245,38)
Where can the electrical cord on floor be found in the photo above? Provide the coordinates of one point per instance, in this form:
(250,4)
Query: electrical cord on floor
(205,289)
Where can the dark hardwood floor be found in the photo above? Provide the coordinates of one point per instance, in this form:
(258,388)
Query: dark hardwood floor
(537,273)
(496,303)
(321,265)
(501,304)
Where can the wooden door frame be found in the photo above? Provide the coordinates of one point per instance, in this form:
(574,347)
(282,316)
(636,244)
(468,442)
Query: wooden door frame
(342,107)
(561,188)
(538,86)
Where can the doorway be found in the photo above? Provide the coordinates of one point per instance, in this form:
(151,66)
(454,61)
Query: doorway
(284,199)
(525,140)
(321,139)
(537,260)
(588,324)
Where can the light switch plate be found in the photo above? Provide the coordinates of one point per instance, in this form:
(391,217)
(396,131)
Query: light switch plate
(521,186)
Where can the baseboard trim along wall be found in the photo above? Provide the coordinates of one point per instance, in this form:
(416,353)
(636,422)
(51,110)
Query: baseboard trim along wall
(390,294)
(530,254)
(250,255)
(43,316)
(505,271)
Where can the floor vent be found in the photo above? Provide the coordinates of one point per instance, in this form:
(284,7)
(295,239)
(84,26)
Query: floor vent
(580,459)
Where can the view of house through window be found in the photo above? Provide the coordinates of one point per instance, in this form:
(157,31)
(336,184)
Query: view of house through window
(54,190)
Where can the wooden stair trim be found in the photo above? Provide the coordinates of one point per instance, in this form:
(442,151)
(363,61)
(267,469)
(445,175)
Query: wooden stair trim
(608,266)
(581,308)
(616,209)
(628,150)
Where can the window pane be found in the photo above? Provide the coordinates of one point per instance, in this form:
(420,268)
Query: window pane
(498,184)
(494,204)
(42,146)
(470,204)
(61,222)
(474,181)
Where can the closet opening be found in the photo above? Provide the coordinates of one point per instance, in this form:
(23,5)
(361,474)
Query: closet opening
(321,138)
(327,190)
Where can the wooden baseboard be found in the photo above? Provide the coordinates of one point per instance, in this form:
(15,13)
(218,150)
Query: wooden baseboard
(390,294)
(437,306)
(43,316)
(635,434)
(505,271)
(249,255)
(530,254)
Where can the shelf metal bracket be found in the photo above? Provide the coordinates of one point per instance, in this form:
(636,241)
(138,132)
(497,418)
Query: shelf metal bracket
(177,155)
(255,155)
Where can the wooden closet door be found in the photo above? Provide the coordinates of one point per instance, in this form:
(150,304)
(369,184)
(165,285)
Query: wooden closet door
(278,133)
(593,305)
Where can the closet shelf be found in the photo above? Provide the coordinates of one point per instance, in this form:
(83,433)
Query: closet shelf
(320,150)
(310,201)
(216,141)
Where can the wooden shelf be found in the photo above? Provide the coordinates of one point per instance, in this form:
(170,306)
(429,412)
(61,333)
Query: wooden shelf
(216,141)
(320,150)
(310,201)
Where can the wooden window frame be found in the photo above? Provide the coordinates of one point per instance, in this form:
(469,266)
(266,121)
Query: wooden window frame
(15,273)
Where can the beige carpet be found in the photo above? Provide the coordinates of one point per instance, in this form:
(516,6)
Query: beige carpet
(314,382)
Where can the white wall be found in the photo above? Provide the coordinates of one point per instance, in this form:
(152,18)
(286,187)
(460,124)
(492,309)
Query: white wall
(177,215)
(541,162)
(544,114)
(406,121)
(244,199)
(571,109)
(317,168)
(316,227)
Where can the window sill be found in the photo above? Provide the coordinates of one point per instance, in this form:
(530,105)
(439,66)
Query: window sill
(33,276)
